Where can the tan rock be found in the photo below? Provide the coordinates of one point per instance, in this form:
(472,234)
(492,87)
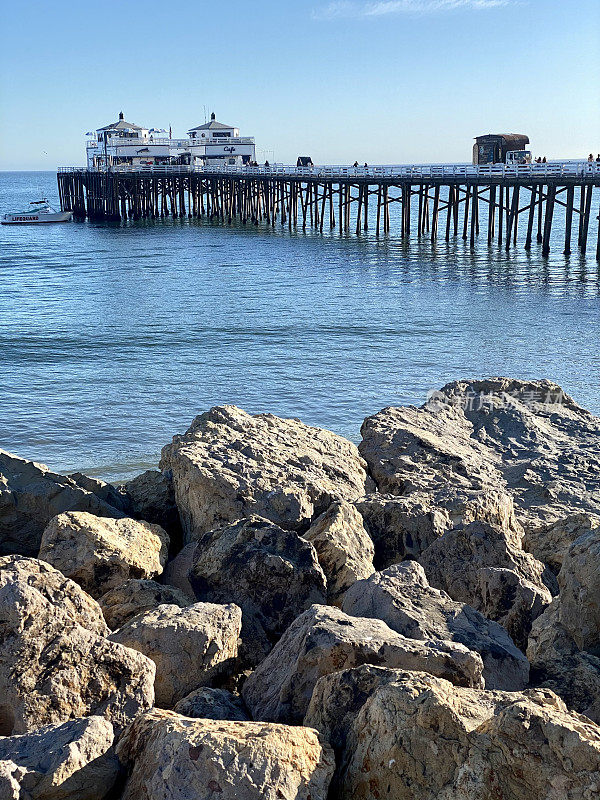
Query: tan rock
(549,543)
(271,573)
(512,601)
(190,646)
(344,548)
(475,546)
(30,495)
(123,602)
(230,464)
(101,553)
(524,438)
(52,669)
(339,696)
(208,703)
(323,640)
(56,589)
(558,664)
(69,761)
(579,608)
(420,738)
(404,600)
(402,527)
(173,757)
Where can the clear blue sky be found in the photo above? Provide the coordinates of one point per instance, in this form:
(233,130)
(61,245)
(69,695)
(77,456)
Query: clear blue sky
(383,82)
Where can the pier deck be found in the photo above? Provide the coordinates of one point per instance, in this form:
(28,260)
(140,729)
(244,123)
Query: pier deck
(449,197)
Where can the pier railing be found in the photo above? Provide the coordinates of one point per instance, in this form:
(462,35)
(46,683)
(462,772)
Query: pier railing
(414,172)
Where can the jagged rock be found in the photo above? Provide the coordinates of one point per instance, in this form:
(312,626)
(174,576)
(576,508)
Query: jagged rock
(558,664)
(106,492)
(338,697)
(101,553)
(30,495)
(271,573)
(177,570)
(404,600)
(512,601)
(323,640)
(11,776)
(527,438)
(207,703)
(401,527)
(579,580)
(420,738)
(344,548)
(69,761)
(190,646)
(172,757)
(56,589)
(52,669)
(452,563)
(152,498)
(123,602)
(549,543)
(230,464)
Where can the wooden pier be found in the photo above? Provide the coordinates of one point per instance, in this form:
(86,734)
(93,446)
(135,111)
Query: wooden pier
(465,201)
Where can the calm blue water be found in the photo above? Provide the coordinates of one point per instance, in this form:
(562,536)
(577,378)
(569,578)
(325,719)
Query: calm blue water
(113,337)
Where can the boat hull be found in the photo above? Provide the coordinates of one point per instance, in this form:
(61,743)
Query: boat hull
(29,219)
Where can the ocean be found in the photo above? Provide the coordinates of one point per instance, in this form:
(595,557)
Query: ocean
(114,336)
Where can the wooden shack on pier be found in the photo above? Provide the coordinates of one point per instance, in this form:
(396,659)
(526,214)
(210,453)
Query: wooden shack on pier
(493,147)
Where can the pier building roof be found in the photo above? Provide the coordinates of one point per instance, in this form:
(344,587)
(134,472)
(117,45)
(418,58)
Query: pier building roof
(121,125)
(213,125)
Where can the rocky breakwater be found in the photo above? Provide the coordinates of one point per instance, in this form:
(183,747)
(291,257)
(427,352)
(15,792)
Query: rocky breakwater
(280,614)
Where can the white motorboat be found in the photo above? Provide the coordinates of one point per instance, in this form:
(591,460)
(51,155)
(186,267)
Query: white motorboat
(41,211)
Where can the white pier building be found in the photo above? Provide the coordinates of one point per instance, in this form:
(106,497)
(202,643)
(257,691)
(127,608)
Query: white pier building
(124,143)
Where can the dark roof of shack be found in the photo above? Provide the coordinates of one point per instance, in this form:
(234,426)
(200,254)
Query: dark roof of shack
(508,137)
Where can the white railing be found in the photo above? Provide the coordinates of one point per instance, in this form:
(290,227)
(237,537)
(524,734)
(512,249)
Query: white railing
(415,172)
(118,141)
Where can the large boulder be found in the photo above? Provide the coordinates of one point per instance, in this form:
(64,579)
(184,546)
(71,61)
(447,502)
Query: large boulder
(30,495)
(151,497)
(190,646)
(323,640)
(579,580)
(271,573)
(511,600)
(549,543)
(52,669)
(420,738)
(101,553)
(59,591)
(230,464)
(339,696)
(172,757)
(401,527)
(558,664)
(209,703)
(126,601)
(69,761)
(526,438)
(344,548)
(455,561)
(404,600)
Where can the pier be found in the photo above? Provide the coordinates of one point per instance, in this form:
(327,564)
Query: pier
(448,200)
